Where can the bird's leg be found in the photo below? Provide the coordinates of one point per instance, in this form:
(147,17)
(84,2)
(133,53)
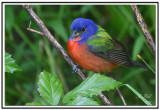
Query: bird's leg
(75,68)
(119,92)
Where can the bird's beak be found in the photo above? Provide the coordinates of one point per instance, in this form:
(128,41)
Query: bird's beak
(76,34)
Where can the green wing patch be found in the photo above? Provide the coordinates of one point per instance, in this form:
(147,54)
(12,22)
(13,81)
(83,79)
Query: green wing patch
(102,41)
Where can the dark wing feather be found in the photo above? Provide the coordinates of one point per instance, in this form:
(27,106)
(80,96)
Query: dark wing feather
(115,55)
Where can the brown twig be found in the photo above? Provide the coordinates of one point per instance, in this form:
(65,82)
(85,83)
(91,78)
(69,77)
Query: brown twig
(59,47)
(119,92)
(143,27)
(32,30)
(121,96)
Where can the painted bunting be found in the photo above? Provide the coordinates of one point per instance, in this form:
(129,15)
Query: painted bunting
(94,49)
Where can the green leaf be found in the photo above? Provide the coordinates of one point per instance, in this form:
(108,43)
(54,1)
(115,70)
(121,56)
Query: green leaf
(50,87)
(83,101)
(10,65)
(33,104)
(92,86)
(138,94)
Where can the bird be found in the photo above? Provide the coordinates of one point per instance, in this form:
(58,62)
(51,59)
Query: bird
(93,49)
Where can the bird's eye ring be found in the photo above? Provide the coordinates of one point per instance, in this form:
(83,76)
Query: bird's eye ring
(83,30)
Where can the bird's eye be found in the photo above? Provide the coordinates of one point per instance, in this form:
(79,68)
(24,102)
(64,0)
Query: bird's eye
(83,30)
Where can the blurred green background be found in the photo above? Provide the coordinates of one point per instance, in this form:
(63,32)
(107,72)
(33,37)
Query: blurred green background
(33,53)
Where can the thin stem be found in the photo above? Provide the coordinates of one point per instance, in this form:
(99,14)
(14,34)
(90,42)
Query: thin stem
(122,98)
(143,27)
(54,42)
(119,92)
(146,63)
(32,30)
(104,100)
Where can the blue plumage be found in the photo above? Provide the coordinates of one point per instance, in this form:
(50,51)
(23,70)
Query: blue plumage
(79,24)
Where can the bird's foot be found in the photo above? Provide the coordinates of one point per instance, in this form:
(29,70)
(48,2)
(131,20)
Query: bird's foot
(102,73)
(75,68)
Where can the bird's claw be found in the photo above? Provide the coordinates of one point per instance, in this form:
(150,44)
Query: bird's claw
(75,68)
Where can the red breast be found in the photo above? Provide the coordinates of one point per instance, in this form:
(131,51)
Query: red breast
(87,60)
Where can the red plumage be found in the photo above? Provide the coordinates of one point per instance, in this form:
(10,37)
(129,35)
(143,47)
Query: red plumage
(87,60)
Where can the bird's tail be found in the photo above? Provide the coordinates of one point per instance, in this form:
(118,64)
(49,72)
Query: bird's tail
(135,63)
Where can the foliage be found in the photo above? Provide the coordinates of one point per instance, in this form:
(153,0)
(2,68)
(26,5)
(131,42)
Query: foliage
(33,104)
(80,100)
(92,86)
(33,53)
(10,65)
(50,88)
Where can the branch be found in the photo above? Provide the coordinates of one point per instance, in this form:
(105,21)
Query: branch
(119,92)
(143,27)
(54,42)
(32,30)
(121,96)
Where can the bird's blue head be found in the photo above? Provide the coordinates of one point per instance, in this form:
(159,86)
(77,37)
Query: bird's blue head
(82,29)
